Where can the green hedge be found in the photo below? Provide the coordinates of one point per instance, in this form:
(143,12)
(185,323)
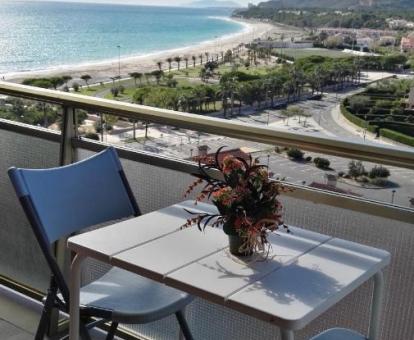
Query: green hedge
(357,121)
(398,137)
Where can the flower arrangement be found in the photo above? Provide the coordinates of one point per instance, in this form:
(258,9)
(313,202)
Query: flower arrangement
(246,201)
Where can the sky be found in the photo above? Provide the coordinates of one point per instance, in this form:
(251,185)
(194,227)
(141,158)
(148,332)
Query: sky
(153,2)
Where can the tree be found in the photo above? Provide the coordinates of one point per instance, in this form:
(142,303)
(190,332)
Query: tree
(186,59)
(194,58)
(169,61)
(38,82)
(135,76)
(358,103)
(287,114)
(201,58)
(115,92)
(159,64)
(86,78)
(66,79)
(207,55)
(178,61)
(157,75)
(56,82)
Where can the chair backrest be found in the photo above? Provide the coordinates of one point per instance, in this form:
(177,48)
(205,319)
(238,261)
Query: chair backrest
(61,201)
(70,198)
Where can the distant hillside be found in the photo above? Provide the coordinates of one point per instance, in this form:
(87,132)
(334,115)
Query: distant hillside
(338,4)
(330,13)
(214,4)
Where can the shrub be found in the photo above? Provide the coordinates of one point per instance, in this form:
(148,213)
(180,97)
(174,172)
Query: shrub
(121,89)
(115,91)
(322,163)
(75,87)
(357,121)
(382,182)
(341,174)
(363,179)
(356,169)
(399,137)
(308,159)
(295,154)
(92,135)
(379,172)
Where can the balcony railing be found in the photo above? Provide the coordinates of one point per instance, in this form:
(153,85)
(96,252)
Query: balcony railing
(358,219)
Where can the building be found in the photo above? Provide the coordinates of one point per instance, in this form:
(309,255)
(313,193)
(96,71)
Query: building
(407,44)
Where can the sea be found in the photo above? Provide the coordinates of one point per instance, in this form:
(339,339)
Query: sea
(37,35)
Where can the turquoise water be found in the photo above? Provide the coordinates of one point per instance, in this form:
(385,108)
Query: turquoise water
(39,35)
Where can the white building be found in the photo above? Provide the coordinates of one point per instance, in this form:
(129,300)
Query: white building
(411,99)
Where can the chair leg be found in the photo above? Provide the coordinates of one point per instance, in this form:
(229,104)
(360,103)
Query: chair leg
(47,309)
(112,330)
(183,325)
(84,331)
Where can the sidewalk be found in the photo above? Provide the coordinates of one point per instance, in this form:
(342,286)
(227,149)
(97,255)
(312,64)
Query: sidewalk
(311,126)
(358,131)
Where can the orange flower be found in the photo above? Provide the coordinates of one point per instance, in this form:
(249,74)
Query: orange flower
(230,164)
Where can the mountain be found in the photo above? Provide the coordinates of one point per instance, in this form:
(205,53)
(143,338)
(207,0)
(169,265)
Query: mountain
(214,4)
(339,4)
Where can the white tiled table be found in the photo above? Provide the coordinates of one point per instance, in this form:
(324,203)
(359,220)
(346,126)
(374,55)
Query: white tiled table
(306,274)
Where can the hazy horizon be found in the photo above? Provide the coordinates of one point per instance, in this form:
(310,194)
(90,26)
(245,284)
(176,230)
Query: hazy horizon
(148,3)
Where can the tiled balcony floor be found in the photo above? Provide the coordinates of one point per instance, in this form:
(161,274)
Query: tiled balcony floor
(20,315)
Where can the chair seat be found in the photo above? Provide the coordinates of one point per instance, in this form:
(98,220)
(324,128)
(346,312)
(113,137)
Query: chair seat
(339,334)
(130,298)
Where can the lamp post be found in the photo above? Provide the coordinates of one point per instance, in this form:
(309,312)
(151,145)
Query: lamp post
(393,196)
(119,62)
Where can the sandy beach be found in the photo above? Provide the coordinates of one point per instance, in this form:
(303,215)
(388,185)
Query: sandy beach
(102,71)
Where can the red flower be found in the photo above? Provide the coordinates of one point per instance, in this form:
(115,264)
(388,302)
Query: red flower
(230,164)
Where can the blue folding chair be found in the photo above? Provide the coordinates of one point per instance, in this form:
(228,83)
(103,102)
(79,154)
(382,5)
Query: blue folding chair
(61,201)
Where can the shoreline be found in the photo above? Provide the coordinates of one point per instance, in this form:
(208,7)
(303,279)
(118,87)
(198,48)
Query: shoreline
(103,70)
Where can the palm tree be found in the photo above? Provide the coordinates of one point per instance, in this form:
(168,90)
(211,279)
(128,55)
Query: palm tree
(169,61)
(66,79)
(207,55)
(86,78)
(178,59)
(186,58)
(194,60)
(201,59)
(56,82)
(287,114)
(158,75)
(148,77)
(159,64)
(136,75)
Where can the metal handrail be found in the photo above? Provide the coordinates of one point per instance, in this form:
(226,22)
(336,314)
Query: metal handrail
(401,157)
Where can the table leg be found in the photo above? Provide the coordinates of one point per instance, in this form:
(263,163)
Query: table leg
(286,334)
(74,289)
(376,306)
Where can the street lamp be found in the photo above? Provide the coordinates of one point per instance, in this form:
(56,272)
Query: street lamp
(393,195)
(119,62)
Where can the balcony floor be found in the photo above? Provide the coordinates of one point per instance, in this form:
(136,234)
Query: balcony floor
(18,318)
(20,315)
